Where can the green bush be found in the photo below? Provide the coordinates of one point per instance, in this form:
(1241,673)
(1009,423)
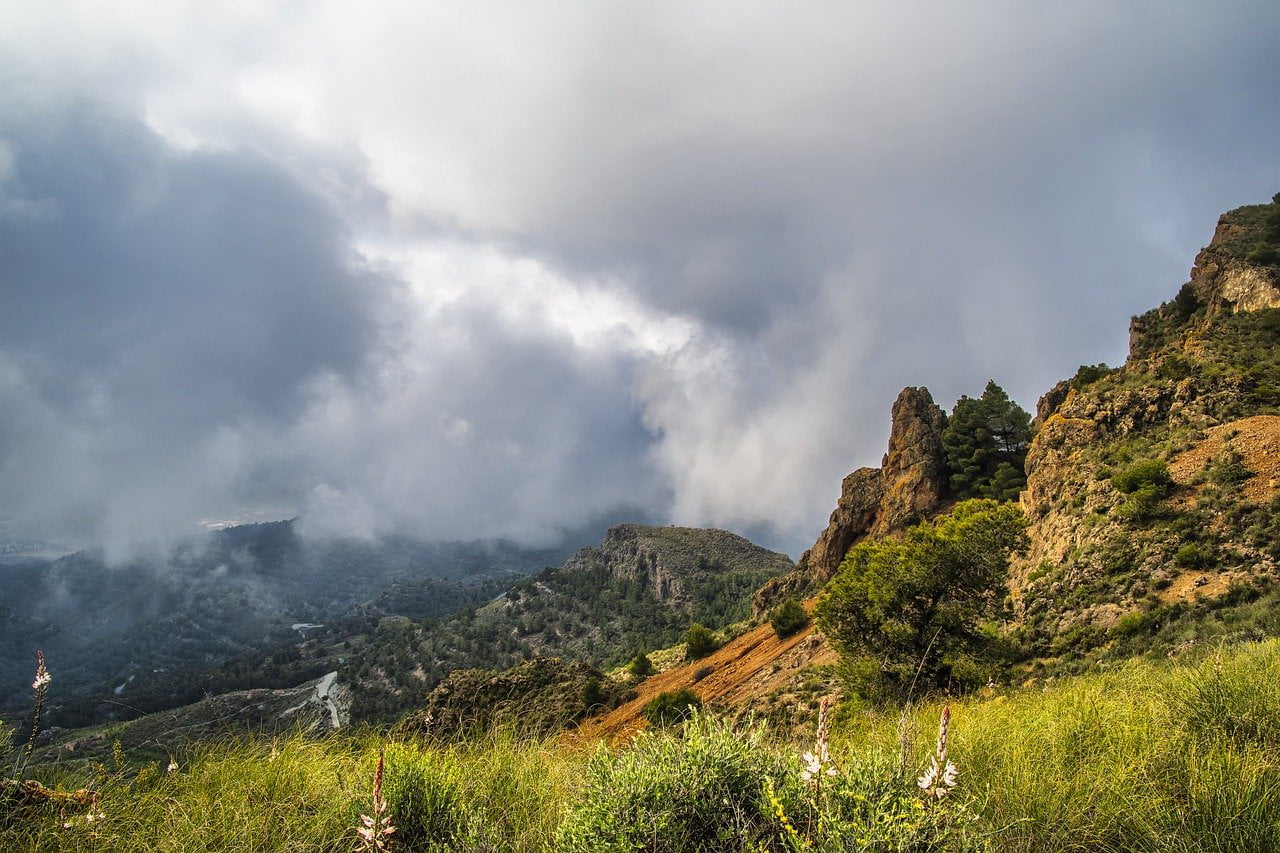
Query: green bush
(1193,556)
(788,618)
(907,613)
(1149,472)
(868,804)
(702,791)
(699,641)
(674,707)
(641,666)
(1087,374)
(1147,483)
(1227,469)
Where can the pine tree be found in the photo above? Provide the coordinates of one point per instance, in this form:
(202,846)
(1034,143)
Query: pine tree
(986,443)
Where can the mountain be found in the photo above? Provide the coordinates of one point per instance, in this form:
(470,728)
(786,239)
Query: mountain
(1153,497)
(641,589)
(144,635)
(910,484)
(1152,489)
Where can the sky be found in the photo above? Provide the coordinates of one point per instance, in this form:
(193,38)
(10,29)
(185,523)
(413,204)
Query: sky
(500,269)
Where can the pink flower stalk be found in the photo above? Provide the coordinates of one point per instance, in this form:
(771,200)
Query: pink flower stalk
(375,834)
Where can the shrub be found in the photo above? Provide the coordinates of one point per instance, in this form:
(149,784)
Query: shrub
(907,613)
(593,694)
(699,642)
(668,708)
(702,672)
(1228,469)
(702,791)
(1193,556)
(1149,472)
(1138,622)
(641,666)
(1147,483)
(788,618)
(1087,374)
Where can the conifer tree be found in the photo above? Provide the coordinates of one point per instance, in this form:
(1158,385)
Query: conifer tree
(986,443)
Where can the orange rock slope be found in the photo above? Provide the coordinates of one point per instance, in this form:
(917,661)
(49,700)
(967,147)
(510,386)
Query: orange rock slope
(748,667)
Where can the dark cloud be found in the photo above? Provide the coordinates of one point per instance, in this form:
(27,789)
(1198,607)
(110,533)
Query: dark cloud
(492,270)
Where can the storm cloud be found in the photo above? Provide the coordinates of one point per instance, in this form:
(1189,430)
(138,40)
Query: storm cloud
(494,270)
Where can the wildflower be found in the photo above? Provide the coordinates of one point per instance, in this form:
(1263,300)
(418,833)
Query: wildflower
(376,830)
(814,765)
(812,768)
(940,778)
(41,687)
(173,766)
(42,675)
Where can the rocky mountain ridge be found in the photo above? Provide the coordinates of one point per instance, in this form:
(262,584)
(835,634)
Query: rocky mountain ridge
(1108,568)
(909,485)
(641,589)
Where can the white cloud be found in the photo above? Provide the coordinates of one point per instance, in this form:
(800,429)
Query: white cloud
(584,253)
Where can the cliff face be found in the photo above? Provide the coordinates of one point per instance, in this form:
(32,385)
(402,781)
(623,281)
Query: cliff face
(1112,564)
(1197,394)
(910,484)
(671,561)
(914,471)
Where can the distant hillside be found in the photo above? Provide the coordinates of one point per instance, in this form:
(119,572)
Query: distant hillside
(641,589)
(143,635)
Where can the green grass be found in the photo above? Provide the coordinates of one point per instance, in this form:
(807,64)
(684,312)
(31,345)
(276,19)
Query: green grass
(1180,756)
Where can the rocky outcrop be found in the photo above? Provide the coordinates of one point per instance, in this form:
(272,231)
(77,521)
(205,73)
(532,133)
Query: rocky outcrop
(1199,369)
(667,559)
(536,698)
(909,485)
(915,468)
(1224,281)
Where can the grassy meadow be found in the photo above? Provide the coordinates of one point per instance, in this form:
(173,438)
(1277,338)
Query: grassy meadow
(1180,756)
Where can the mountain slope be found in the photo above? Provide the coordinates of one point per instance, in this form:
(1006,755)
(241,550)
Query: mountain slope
(641,589)
(140,635)
(1200,394)
(1128,565)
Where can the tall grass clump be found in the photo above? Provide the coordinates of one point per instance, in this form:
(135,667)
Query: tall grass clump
(1148,757)
(494,792)
(1234,696)
(228,795)
(701,789)
(426,792)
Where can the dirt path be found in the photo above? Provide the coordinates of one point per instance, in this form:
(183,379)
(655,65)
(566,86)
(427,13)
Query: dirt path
(324,687)
(748,667)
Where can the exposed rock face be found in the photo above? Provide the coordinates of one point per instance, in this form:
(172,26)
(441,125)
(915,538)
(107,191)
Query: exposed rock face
(909,485)
(855,513)
(1182,386)
(1224,281)
(915,468)
(666,559)
(1052,401)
